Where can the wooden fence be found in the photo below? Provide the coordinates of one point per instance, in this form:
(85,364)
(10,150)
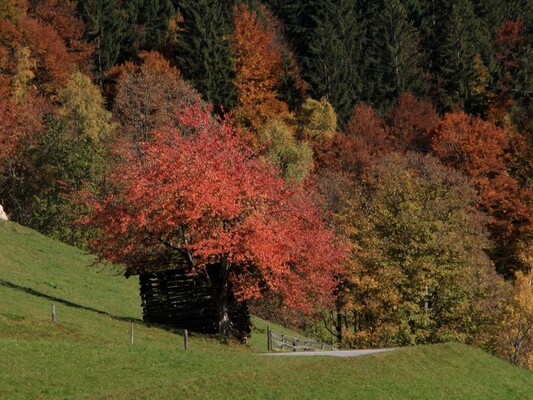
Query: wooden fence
(277,341)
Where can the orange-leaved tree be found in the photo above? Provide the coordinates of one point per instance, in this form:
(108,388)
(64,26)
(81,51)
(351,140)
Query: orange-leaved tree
(485,152)
(202,196)
(258,67)
(50,38)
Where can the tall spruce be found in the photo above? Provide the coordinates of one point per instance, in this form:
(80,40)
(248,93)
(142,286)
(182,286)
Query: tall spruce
(204,51)
(150,27)
(460,36)
(106,28)
(332,63)
(394,59)
(328,37)
(119,30)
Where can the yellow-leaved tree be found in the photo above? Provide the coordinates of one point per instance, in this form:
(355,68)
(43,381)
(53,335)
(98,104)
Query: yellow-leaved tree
(516,336)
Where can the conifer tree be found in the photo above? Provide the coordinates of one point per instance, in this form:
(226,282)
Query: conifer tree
(328,37)
(394,56)
(462,36)
(204,51)
(106,29)
(121,29)
(331,61)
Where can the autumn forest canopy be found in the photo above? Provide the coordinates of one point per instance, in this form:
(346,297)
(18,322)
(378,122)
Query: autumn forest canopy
(360,170)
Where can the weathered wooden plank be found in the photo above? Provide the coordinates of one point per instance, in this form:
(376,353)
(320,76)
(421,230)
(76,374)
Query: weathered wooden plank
(181,300)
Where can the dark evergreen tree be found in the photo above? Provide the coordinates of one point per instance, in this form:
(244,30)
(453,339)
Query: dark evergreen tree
(292,89)
(296,20)
(458,37)
(150,27)
(204,52)
(328,37)
(394,59)
(119,30)
(496,12)
(107,28)
(523,11)
(331,64)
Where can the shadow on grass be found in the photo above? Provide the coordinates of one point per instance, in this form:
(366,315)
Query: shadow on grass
(171,329)
(34,292)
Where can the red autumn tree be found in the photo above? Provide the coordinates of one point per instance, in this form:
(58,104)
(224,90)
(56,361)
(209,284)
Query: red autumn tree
(19,123)
(413,122)
(484,152)
(258,67)
(51,36)
(365,139)
(62,15)
(203,197)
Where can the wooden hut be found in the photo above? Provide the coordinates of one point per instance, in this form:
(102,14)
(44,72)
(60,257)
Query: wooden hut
(174,296)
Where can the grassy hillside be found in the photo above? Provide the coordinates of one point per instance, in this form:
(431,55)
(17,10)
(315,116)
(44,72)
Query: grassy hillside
(86,354)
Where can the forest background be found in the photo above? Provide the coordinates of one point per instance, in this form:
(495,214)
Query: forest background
(408,124)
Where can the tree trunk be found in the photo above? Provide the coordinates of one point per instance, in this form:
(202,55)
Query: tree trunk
(339,321)
(224,323)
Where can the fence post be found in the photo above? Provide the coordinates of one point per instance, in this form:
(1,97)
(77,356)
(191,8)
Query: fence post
(53,313)
(269,339)
(185,339)
(131,333)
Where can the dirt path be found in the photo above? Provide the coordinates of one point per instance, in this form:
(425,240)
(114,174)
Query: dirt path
(337,353)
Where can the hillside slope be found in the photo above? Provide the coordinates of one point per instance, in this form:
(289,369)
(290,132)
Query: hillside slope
(87,354)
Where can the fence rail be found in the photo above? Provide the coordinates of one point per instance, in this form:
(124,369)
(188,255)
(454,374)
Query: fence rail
(280,342)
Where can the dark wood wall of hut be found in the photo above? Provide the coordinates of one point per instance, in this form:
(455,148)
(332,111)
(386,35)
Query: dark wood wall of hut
(178,299)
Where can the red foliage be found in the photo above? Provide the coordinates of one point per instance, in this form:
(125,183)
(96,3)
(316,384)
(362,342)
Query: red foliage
(509,37)
(508,44)
(413,122)
(19,125)
(53,36)
(484,152)
(62,16)
(203,195)
(366,138)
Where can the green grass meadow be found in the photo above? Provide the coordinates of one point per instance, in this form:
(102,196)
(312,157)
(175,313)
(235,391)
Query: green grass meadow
(87,354)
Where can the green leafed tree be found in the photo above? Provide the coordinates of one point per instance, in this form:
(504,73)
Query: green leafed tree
(418,272)
(83,109)
(70,153)
(119,30)
(107,27)
(462,36)
(331,64)
(317,120)
(294,157)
